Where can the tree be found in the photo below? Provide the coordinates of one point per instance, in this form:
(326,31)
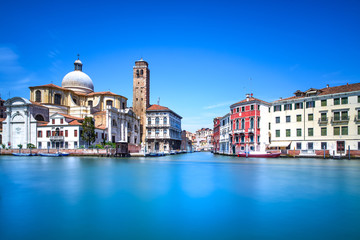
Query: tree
(88,133)
(20,147)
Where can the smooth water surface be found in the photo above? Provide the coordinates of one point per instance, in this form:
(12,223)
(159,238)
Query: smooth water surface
(188,196)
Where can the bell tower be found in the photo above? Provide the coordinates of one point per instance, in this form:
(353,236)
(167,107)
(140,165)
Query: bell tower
(141,93)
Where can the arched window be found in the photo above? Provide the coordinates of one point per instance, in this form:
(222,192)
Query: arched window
(38,96)
(39,117)
(149,121)
(57,132)
(109,102)
(90,103)
(165,120)
(141,72)
(114,123)
(237,124)
(137,73)
(242,123)
(251,123)
(156,121)
(57,99)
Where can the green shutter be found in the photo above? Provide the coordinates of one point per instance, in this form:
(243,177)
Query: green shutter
(277,133)
(298,132)
(310,132)
(336,131)
(323,131)
(298,118)
(344,130)
(310,117)
(323,103)
(344,100)
(288,132)
(336,101)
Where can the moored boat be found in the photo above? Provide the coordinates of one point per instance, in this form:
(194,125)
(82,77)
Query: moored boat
(259,154)
(21,154)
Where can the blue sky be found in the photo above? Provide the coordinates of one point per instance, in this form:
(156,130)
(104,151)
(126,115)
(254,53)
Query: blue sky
(201,53)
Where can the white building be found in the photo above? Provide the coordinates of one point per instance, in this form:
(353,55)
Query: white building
(204,139)
(225,134)
(318,119)
(163,129)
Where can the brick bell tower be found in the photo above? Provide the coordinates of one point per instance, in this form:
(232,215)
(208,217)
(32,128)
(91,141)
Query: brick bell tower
(141,93)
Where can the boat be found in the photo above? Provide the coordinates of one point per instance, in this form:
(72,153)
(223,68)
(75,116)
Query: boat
(54,154)
(259,154)
(21,154)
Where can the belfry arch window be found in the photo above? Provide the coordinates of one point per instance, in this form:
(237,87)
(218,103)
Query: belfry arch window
(109,102)
(38,96)
(141,72)
(137,73)
(57,99)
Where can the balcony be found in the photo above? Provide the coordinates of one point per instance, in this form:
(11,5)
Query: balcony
(357,119)
(237,131)
(340,120)
(251,130)
(57,138)
(323,120)
(157,125)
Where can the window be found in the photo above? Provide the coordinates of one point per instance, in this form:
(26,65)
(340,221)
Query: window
(165,121)
(75,144)
(298,132)
(310,132)
(337,116)
(39,134)
(323,131)
(237,109)
(242,138)
(310,117)
(298,146)
(251,138)
(165,131)
(157,131)
(288,133)
(258,122)
(310,104)
(324,103)
(252,107)
(90,103)
(336,131)
(157,121)
(344,130)
(57,99)
(66,133)
(358,99)
(358,130)
(277,108)
(336,101)
(236,139)
(344,100)
(123,105)
(75,133)
(258,107)
(288,107)
(109,102)
(323,117)
(251,122)
(53,121)
(48,133)
(149,121)
(243,123)
(61,121)
(344,115)
(39,145)
(310,145)
(269,126)
(298,105)
(288,119)
(298,118)
(323,145)
(277,133)
(149,131)
(38,96)
(243,109)
(277,119)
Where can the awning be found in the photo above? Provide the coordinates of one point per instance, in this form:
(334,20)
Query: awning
(279,144)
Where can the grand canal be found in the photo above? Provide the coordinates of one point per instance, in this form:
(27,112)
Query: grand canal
(188,196)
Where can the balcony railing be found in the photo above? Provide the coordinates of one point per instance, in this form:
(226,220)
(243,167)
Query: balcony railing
(323,120)
(57,138)
(239,130)
(342,119)
(158,125)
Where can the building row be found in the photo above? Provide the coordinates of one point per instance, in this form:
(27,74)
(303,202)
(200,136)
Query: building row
(54,115)
(308,123)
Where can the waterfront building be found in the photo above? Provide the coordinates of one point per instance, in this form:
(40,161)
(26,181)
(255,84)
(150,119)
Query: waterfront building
(216,134)
(76,98)
(204,139)
(225,128)
(186,141)
(20,125)
(163,129)
(317,119)
(64,131)
(2,116)
(141,93)
(250,130)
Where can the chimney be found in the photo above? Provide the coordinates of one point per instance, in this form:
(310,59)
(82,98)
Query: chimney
(327,85)
(280,98)
(247,97)
(251,95)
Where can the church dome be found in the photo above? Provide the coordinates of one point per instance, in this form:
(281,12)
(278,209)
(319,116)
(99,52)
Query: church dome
(78,80)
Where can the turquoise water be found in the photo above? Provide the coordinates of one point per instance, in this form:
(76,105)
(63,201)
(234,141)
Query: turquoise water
(189,196)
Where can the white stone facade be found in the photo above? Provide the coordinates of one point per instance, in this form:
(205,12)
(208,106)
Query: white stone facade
(225,134)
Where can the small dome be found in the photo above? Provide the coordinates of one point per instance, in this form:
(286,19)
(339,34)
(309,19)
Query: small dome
(78,61)
(78,81)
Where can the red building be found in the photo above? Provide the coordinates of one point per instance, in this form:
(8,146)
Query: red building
(216,134)
(245,124)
